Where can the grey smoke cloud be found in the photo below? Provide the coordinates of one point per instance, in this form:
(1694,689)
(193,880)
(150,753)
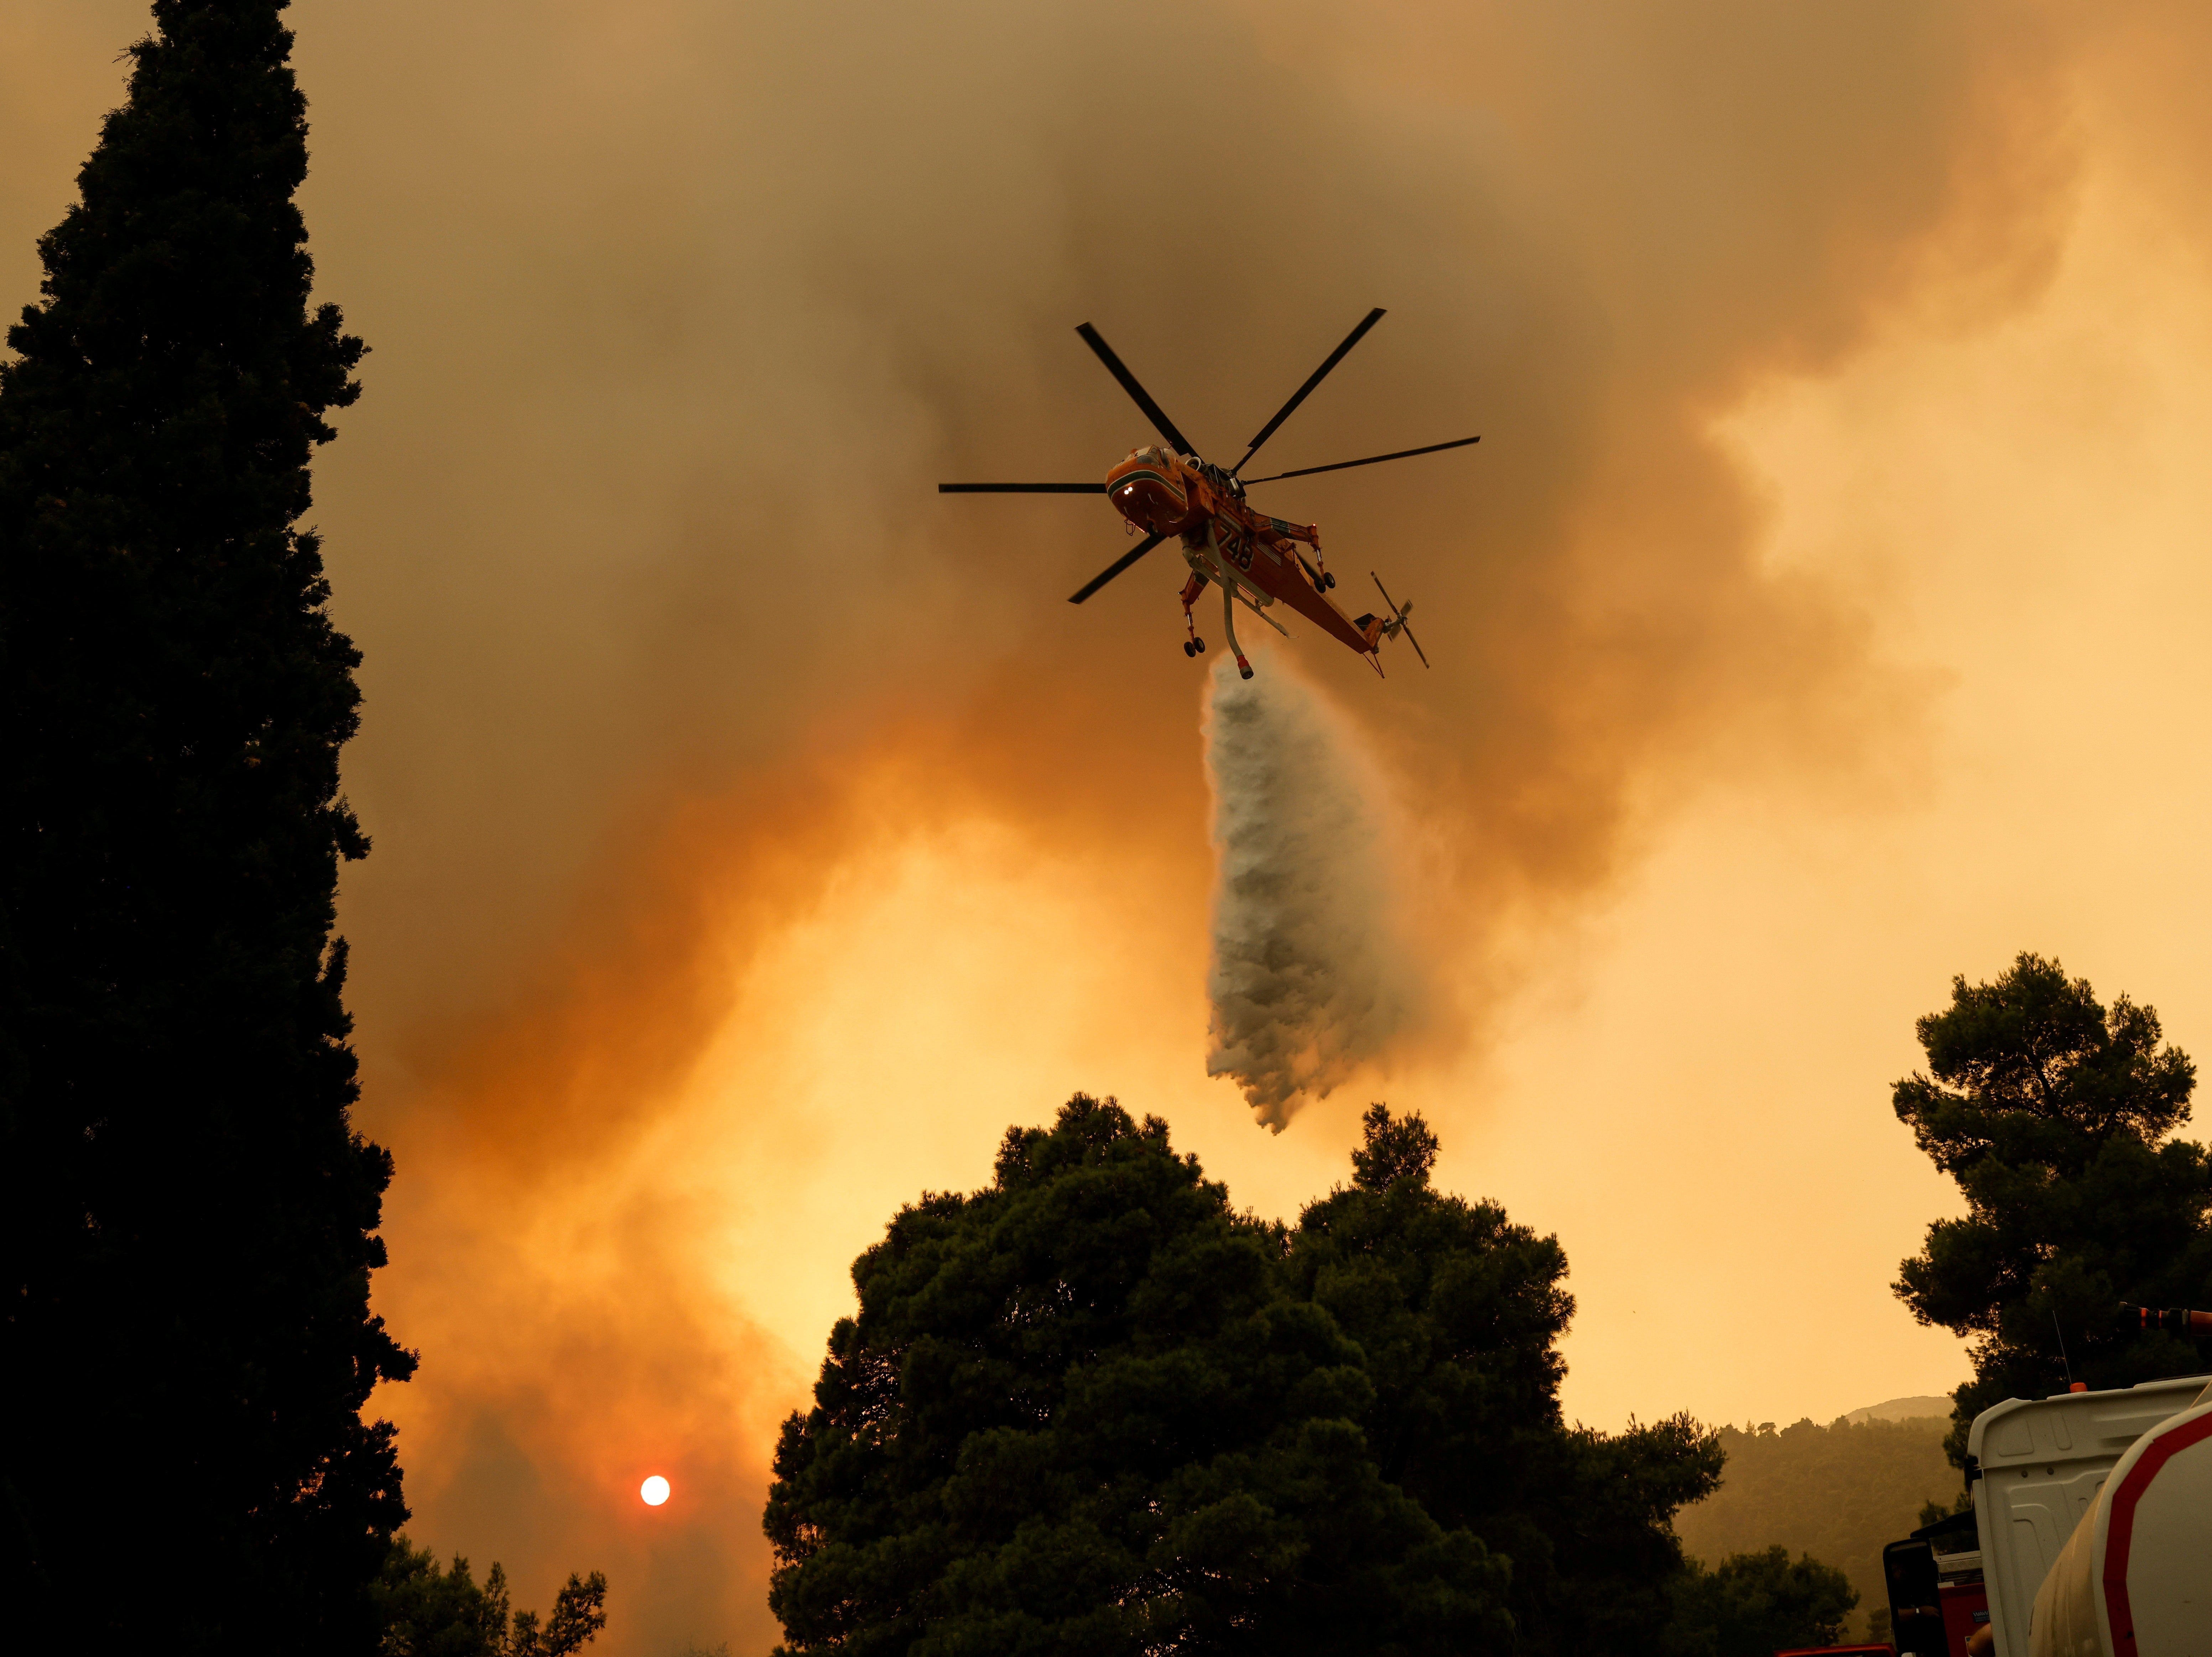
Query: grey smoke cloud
(1311,977)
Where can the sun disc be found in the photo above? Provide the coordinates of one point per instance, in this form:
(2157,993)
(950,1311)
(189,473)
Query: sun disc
(654,1491)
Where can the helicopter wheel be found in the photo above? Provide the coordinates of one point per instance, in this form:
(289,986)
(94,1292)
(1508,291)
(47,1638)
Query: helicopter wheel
(1200,643)
(1326,581)
(1188,649)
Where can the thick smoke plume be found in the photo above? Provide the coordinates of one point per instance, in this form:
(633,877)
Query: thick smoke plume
(1310,977)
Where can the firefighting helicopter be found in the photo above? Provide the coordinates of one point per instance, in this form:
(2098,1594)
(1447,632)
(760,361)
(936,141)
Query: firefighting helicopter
(1255,560)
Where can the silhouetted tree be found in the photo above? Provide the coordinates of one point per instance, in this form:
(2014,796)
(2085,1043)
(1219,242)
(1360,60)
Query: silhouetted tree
(1752,1604)
(425,1612)
(1078,1415)
(579,1613)
(1457,1310)
(1093,1410)
(428,1612)
(187,1218)
(2055,1116)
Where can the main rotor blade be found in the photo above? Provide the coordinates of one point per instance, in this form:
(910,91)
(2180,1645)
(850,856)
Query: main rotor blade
(1021,488)
(1116,567)
(1371,460)
(1301,394)
(1142,398)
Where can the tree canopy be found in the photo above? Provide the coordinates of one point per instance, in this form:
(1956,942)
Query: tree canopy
(1075,1415)
(188,1219)
(2055,1115)
(1092,1408)
(1752,1604)
(1456,1310)
(425,1612)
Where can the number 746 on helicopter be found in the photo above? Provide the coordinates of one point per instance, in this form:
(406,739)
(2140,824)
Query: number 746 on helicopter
(1255,559)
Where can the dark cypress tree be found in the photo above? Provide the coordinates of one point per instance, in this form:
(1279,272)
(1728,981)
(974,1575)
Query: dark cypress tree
(188,1216)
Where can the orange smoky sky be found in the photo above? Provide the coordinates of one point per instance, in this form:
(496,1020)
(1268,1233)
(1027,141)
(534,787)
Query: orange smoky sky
(758,833)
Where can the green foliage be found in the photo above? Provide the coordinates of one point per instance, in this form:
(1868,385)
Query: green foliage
(580,1612)
(1935,1510)
(1840,1493)
(2054,1114)
(1456,1311)
(186,1218)
(427,1612)
(1090,1409)
(1074,1416)
(1753,1604)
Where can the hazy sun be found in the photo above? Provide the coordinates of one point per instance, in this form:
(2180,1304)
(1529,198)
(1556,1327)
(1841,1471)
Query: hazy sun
(654,1491)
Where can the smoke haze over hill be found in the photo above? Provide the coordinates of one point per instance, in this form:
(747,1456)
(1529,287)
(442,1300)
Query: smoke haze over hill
(1841,1493)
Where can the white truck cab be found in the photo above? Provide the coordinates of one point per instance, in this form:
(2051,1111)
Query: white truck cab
(2094,1514)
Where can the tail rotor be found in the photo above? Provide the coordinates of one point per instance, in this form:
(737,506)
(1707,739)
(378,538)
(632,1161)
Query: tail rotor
(1392,629)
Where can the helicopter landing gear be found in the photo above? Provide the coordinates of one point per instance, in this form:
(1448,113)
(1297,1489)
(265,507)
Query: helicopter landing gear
(1193,645)
(1229,626)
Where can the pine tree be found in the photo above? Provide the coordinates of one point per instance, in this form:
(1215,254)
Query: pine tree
(1094,1410)
(1754,1604)
(428,1612)
(2055,1116)
(1077,1415)
(187,1216)
(1457,1311)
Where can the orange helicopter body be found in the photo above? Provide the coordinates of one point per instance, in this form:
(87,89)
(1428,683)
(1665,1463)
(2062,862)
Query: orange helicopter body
(1228,542)
(1255,559)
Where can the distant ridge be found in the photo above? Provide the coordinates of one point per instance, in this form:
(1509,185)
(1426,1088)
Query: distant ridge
(1840,1493)
(1900,1409)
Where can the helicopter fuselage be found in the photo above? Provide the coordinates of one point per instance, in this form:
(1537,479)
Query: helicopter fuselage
(1228,542)
(1166,490)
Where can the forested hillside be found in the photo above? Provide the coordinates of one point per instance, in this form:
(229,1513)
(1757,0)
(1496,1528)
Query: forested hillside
(1837,1492)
